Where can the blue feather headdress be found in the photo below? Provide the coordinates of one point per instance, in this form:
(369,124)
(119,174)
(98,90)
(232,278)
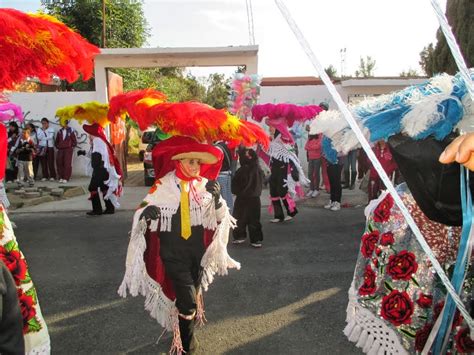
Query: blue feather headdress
(433,108)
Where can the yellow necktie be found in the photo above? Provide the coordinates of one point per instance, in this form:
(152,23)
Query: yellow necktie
(185,216)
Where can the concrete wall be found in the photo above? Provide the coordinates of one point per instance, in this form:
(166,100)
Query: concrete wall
(38,105)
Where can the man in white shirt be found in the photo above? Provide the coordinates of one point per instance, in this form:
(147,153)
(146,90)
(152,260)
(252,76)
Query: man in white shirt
(45,151)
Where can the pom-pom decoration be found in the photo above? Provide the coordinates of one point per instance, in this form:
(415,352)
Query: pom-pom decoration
(38,45)
(90,112)
(190,119)
(290,112)
(10,111)
(244,93)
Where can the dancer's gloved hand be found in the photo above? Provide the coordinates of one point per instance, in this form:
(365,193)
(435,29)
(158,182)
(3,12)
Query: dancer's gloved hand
(214,189)
(151,213)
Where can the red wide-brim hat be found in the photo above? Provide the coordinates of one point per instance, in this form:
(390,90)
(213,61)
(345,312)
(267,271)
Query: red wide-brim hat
(166,153)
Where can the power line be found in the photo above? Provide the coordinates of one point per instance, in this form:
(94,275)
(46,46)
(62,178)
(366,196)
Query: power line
(248,5)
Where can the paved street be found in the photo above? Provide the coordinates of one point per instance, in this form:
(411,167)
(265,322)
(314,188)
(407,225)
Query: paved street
(288,298)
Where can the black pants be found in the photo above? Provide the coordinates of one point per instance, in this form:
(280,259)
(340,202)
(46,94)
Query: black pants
(99,176)
(182,261)
(247,211)
(334,175)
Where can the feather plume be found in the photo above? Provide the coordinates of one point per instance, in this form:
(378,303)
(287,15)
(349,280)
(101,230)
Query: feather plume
(290,112)
(190,119)
(91,112)
(433,108)
(38,45)
(10,111)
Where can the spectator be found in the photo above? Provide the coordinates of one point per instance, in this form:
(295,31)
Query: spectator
(334,174)
(65,143)
(383,154)
(313,148)
(363,164)
(45,151)
(11,321)
(225,175)
(13,138)
(247,186)
(25,152)
(350,169)
(33,137)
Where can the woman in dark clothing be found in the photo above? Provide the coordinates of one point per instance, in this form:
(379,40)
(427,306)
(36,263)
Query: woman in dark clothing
(13,138)
(247,186)
(36,159)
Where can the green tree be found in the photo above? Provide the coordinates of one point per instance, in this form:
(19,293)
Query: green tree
(426,59)
(331,71)
(460,14)
(366,67)
(126,25)
(217,93)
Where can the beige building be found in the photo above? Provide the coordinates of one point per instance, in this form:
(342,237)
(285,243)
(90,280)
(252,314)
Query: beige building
(311,90)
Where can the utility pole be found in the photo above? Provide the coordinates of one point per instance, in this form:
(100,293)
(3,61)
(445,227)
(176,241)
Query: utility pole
(103,24)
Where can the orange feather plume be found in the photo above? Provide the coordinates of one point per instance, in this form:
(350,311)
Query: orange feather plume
(38,45)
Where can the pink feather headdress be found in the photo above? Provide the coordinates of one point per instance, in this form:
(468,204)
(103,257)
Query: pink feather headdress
(10,111)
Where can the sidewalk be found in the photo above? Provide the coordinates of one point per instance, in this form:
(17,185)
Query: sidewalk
(131,198)
(133,195)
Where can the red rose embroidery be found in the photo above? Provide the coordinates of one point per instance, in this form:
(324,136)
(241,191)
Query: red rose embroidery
(382,212)
(424,301)
(464,343)
(387,239)
(402,266)
(375,262)
(15,263)
(369,241)
(397,308)
(422,336)
(368,287)
(378,251)
(27,306)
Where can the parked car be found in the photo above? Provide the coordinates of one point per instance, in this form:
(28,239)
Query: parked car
(149,139)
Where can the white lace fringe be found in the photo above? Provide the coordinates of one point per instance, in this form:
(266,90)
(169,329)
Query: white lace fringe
(369,332)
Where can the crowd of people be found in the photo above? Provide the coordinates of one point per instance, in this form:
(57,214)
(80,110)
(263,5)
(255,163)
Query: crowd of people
(31,147)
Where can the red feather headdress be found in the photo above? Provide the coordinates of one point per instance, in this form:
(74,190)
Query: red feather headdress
(38,45)
(189,119)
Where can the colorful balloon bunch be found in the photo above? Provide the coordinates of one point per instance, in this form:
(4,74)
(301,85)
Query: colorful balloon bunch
(245,90)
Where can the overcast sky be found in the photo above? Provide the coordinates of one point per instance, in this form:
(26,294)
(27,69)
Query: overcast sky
(391,32)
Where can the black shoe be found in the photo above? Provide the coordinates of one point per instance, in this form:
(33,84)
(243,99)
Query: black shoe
(352,187)
(93,213)
(109,212)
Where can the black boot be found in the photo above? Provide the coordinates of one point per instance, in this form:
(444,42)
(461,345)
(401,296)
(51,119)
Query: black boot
(96,205)
(109,207)
(353,180)
(186,329)
(346,180)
